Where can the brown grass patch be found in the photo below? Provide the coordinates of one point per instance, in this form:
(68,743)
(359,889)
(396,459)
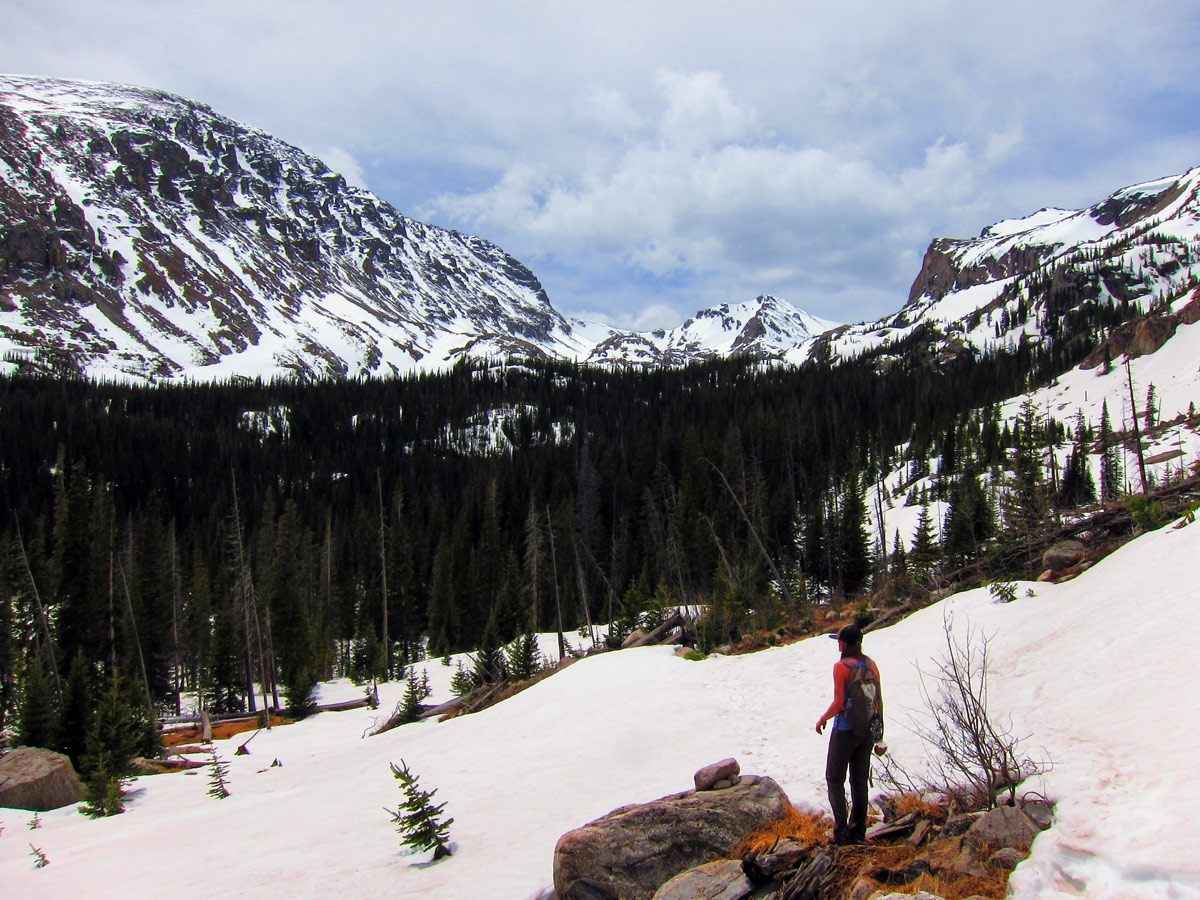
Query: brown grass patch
(994,887)
(896,857)
(903,804)
(804,828)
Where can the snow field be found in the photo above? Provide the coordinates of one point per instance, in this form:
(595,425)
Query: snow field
(1085,668)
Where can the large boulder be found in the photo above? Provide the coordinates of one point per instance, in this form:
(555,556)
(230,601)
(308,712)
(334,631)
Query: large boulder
(36,779)
(1063,555)
(631,852)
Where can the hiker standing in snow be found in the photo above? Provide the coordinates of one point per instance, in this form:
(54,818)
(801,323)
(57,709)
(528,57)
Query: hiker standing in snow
(857,713)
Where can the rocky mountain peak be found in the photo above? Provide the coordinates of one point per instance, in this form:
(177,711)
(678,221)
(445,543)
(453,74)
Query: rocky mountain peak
(147,236)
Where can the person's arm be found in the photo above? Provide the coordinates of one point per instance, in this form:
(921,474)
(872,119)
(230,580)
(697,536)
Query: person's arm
(839,696)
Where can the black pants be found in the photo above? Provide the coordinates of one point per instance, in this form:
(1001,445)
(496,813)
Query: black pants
(848,751)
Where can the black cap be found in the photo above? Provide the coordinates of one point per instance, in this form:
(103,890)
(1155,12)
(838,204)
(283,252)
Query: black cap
(850,635)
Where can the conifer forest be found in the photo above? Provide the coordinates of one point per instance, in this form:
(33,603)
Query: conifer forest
(244,540)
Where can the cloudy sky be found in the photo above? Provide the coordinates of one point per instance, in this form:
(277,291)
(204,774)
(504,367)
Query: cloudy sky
(647,159)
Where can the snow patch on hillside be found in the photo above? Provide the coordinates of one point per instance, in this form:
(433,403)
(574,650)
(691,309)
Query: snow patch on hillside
(1081,667)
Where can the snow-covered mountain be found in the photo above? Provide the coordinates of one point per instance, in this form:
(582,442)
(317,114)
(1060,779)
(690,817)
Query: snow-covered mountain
(765,327)
(146,236)
(1056,273)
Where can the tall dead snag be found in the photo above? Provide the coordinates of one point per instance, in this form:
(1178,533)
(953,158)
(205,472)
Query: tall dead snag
(1137,433)
(779,579)
(243,594)
(562,645)
(43,619)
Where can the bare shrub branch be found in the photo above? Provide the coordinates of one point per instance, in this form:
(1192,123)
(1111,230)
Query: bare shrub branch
(967,752)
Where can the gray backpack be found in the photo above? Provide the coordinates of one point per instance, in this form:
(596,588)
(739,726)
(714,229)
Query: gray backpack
(863,700)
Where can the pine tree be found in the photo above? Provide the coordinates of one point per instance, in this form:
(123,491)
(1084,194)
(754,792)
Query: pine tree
(923,553)
(418,819)
(75,717)
(218,787)
(1026,504)
(1111,475)
(112,743)
(855,553)
(523,657)
(36,718)
(899,561)
(410,707)
(462,682)
(970,520)
(489,659)
(1078,487)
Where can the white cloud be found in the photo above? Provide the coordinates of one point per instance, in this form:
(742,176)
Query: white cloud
(344,163)
(704,193)
(636,157)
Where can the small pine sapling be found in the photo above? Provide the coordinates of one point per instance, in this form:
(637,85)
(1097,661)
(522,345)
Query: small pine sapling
(218,787)
(1003,591)
(417,819)
(40,860)
(462,683)
(410,709)
(35,822)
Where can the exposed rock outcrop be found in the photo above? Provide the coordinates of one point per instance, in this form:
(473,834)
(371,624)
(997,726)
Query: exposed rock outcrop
(630,853)
(36,779)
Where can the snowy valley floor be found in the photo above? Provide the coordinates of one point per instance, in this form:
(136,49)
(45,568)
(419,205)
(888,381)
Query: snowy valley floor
(1098,671)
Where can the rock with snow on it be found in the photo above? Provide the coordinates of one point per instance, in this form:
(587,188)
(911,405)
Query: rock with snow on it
(36,779)
(634,850)
(709,776)
(1063,555)
(722,879)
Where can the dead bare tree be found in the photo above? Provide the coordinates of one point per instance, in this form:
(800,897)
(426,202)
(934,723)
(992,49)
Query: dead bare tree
(967,751)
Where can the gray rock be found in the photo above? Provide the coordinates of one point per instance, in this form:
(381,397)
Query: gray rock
(1004,826)
(1007,858)
(725,770)
(36,779)
(959,824)
(633,851)
(719,880)
(1063,555)
(1041,811)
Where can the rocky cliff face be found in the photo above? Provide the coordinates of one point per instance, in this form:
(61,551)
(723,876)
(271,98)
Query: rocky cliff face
(142,234)
(1077,274)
